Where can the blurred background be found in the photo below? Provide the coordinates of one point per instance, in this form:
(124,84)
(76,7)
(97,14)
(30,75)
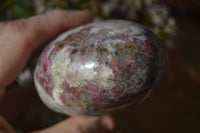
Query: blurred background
(174,106)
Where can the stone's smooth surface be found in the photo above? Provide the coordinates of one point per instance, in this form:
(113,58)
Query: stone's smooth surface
(100,67)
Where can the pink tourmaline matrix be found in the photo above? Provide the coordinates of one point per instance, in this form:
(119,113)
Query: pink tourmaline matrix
(100,67)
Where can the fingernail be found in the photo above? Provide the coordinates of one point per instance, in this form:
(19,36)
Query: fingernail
(107,122)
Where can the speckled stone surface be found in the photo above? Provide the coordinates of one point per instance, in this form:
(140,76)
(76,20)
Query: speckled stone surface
(100,67)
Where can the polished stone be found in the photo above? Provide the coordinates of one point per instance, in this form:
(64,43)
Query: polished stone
(100,67)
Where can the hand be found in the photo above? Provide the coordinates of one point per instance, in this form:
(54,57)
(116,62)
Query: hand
(18,40)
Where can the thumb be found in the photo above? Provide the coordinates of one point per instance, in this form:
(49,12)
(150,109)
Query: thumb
(82,124)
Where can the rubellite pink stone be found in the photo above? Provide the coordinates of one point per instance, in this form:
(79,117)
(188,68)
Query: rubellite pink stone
(100,67)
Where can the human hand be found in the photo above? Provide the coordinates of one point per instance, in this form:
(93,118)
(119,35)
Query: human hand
(18,40)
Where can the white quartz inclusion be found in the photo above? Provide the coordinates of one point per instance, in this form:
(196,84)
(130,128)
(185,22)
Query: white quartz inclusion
(77,74)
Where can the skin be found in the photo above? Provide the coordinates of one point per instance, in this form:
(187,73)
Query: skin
(18,40)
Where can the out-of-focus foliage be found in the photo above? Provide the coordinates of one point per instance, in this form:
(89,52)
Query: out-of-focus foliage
(14,9)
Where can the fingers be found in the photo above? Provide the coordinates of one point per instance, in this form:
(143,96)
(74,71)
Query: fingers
(2,24)
(82,124)
(42,27)
(19,38)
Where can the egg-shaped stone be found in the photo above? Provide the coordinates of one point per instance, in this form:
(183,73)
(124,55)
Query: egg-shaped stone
(100,67)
